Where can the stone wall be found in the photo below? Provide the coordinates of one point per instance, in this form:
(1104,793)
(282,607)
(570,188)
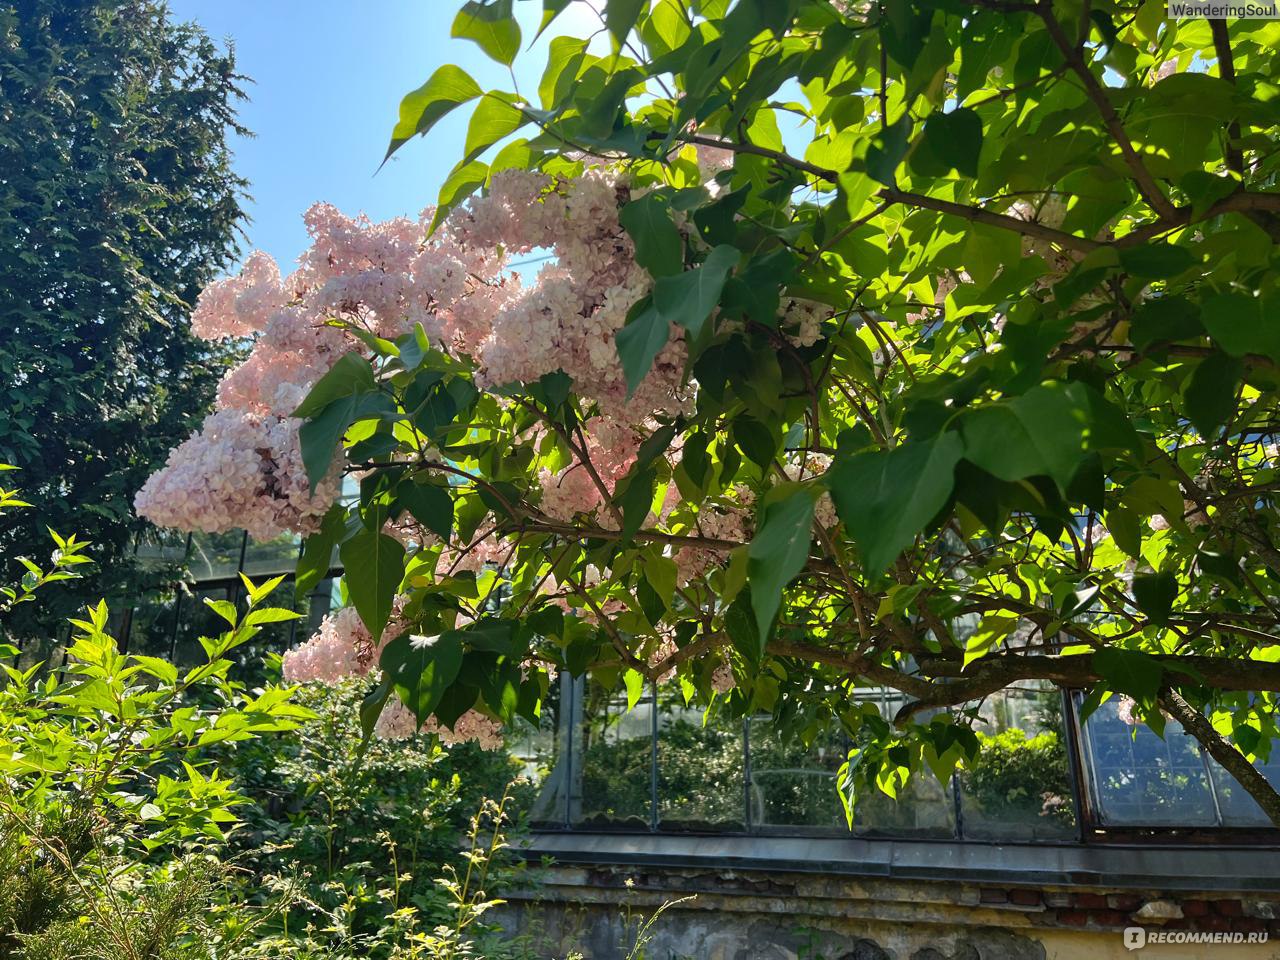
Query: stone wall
(767,915)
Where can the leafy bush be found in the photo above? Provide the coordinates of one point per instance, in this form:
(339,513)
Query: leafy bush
(107,794)
(359,832)
(1022,776)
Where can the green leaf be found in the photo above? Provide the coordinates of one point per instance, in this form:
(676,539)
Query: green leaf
(756,440)
(636,501)
(1155,594)
(373,703)
(640,341)
(550,10)
(634,682)
(430,505)
(1211,392)
(422,669)
(463,180)
(885,497)
(887,151)
(491,26)
(1130,672)
(350,375)
(621,15)
(659,247)
(317,550)
(223,608)
(319,437)
(778,552)
(373,568)
(955,138)
(256,618)
(1042,432)
(660,573)
(1164,319)
(162,670)
(688,298)
(1126,530)
(993,628)
(564,59)
(495,117)
(1237,322)
(447,89)
(1156,260)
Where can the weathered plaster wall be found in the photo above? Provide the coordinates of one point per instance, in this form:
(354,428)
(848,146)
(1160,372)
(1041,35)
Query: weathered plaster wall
(780,916)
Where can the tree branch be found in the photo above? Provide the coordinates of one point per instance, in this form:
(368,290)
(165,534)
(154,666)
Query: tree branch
(894,195)
(1147,185)
(1227,71)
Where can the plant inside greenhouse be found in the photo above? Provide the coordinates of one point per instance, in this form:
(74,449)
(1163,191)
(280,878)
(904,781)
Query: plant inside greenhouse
(743,478)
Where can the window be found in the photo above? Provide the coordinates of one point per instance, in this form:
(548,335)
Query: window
(1138,779)
(612,760)
(271,558)
(1019,788)
(700,764)
(664,765)
(793,785)
(216,556)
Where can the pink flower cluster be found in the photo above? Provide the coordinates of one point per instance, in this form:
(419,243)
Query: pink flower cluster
(243,469)
(730,519)
(397,722)
(611,448)
(240,305)
(569,318)
(342,647)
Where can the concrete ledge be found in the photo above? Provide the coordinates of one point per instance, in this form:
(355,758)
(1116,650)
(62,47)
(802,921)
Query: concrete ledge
(1167,867)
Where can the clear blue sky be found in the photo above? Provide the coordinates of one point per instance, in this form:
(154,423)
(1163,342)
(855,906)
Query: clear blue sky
(327,78)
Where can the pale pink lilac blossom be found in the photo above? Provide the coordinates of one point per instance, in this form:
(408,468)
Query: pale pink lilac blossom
(241,470)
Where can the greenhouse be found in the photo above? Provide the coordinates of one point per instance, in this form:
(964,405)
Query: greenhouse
(657,786)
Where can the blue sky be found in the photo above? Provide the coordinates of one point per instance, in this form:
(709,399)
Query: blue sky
(327,81)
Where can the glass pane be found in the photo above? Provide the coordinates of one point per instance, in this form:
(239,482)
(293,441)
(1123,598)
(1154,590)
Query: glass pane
(161,548)
(924,807)
(539,751)
(700,767)
(793,785)
(271,557)
(1238,808)
(1139,779)
(1019,788)
(215,556)
(612,760)
(152,622)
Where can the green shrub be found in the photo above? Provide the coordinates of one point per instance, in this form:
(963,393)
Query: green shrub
(1022,775)
(359,832)
(107,793)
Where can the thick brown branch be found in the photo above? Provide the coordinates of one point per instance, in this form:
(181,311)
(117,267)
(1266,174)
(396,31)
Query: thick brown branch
(1027,228)
(1243,201)
(893,195)
(1221,673)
